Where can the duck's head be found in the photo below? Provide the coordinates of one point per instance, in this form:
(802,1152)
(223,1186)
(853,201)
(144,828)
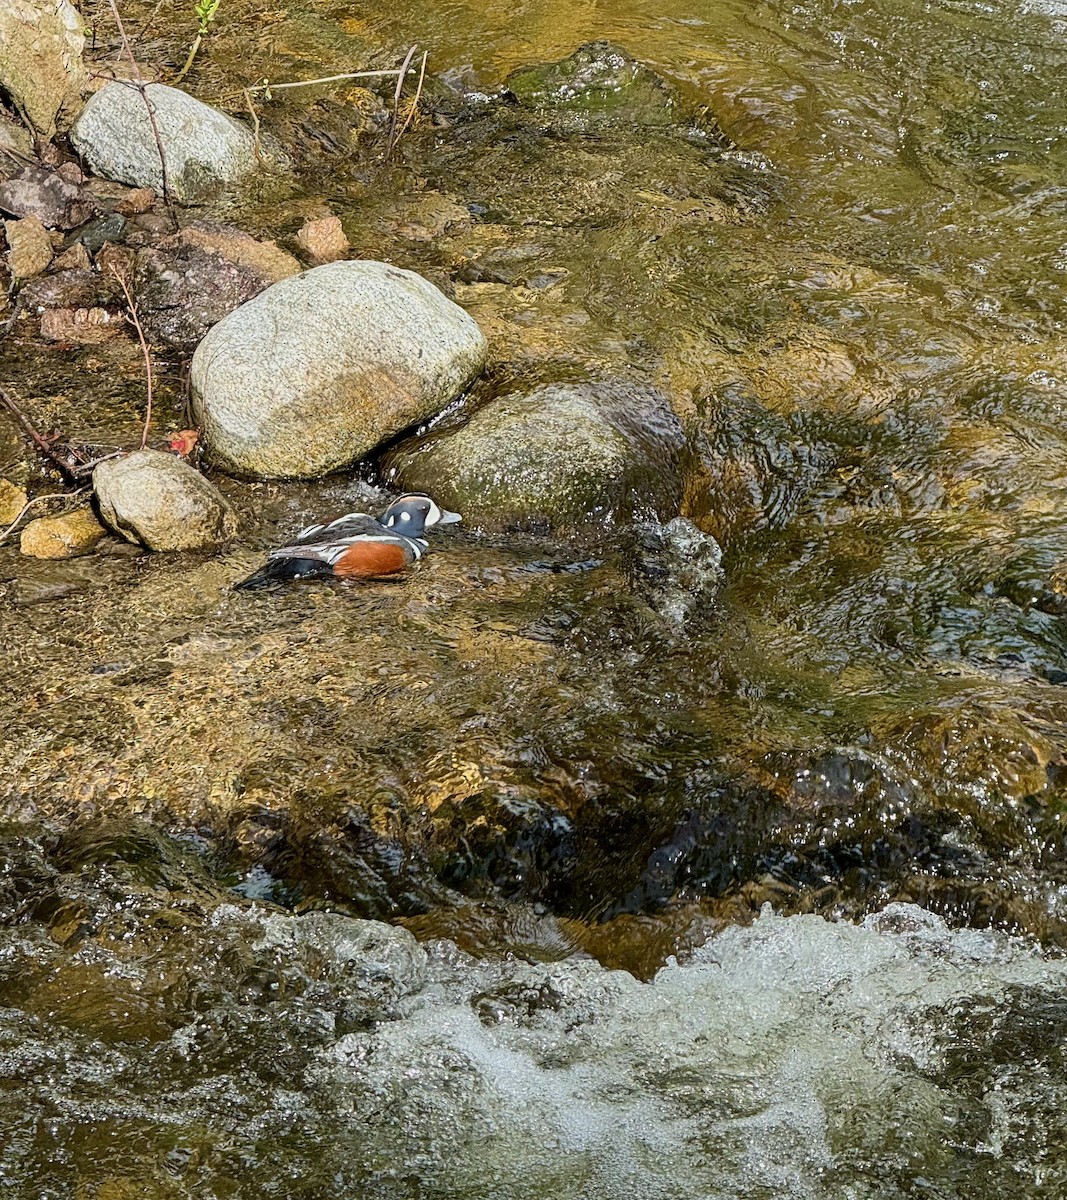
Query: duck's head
(413,513)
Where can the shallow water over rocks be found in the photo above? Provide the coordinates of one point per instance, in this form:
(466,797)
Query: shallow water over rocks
(841,258)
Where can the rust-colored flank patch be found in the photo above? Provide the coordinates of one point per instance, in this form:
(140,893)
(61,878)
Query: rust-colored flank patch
(365,560)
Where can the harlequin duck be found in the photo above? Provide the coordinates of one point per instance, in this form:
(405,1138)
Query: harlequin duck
(356,546)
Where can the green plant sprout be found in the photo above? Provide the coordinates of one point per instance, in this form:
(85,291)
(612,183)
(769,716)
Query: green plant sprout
(205,12)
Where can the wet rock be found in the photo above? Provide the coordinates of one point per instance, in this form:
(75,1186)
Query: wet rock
(323,240)
(56,197)
(41,43)
(68,289)
(160,501)
(74,258)
(29,247)
(190,281)
(266,258)
(566,456)
(204,149)
(81,326)
(15,138)
(323,367)
(67,536)
(136,202)
(675,568)
(598,78)
(96,234)
(182,291)
(12,501)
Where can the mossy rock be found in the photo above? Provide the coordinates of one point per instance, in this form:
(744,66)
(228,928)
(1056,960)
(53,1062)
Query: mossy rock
(578,456)
(598,78)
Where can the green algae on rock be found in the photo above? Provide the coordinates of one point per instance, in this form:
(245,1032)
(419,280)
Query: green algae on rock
(320,369)
(564,456)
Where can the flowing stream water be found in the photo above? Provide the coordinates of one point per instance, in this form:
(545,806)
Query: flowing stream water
(765,901)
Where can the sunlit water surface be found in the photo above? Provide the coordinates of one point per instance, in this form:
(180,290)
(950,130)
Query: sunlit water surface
(860,322)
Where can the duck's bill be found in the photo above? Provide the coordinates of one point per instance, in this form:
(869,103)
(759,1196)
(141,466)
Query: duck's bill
(449,518)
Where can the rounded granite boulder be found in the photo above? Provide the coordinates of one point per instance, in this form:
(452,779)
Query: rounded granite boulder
(567,456)
(320,369)
(203,148)
(156,499)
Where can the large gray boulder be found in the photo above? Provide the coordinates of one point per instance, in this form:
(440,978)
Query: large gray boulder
(320,369)
(158,500)
(576,456)
(41,43)
(204,149)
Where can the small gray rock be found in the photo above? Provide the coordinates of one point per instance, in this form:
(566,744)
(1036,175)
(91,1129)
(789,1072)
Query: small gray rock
(204,149)
(675,568)
(320,369)
(160,501)
(58,202)
(575,456)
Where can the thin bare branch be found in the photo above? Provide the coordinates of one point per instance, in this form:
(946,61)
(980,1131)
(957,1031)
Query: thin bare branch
(135,321)
(44,445)
(413,108)
(396,101)
(255,124)
(142,87)
(266,86)
(5,533)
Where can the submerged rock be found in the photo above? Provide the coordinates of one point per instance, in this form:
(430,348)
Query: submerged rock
(204,149)
(322,368)
(67,536)
(162,502)
(675,568)
(41,44)
(598,77)
(564,456)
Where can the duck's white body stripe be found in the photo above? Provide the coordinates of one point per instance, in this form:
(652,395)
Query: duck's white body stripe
(331,552)
(311,530)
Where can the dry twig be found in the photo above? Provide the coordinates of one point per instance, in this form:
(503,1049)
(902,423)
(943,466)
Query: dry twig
(413,107)
(67,464)
(135,321)
(396,101)
(5,533)
(142,87)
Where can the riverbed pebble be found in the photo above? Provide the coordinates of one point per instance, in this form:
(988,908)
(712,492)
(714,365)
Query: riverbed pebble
(320,369)
(323,240)
(29,247)
(65,536)
(163,503)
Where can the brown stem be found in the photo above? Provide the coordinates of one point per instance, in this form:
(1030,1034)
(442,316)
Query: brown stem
(142,87)
(42,443)
(396,100)
(415,101)
(135,321)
